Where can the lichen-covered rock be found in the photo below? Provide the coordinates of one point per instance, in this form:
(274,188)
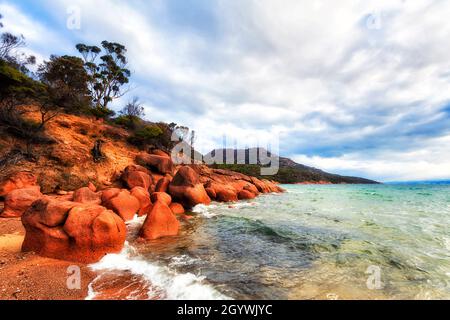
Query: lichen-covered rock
(163,165)
(187,189)
(137,176)
(124,204)
(72,231)
(18,180)
(86,195)
(161,222)
(223,192)
(161,196)
(19,200)
(246,195)
(163,184)
(177,208)
(161,153)
(144,199)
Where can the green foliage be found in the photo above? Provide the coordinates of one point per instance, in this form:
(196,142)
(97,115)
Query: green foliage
(106,73)
(15,83)
(9,45)
(284,175)
(149,132)
(146,135)
(101,112)
(129,122)
(66,79)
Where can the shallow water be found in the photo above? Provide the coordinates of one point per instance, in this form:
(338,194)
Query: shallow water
(312,242)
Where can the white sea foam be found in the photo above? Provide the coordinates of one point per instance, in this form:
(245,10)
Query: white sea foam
(175,286)
(205,211)
(182,260)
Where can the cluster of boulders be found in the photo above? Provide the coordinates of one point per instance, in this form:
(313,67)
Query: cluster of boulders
(85,224)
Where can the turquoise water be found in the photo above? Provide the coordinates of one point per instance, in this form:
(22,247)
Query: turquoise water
(313,242)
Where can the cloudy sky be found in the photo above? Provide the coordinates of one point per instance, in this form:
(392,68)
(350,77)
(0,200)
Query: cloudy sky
(352,87)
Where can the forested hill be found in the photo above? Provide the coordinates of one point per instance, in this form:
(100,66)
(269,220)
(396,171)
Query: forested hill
(289,171)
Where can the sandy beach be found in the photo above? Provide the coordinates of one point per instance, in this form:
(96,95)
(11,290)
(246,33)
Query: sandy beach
(26,276)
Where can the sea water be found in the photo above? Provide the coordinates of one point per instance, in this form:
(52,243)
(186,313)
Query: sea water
(312,242)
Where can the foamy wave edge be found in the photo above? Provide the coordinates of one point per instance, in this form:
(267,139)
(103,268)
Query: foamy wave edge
(177,286)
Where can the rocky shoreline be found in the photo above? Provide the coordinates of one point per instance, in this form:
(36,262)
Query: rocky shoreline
(83,225)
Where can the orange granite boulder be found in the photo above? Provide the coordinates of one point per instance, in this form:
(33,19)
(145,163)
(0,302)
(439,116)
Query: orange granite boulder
(187,189)
(163,184)
(19,200)
(246,195)
(144,199)
(86,195)
(124,204)
(137,176)
(160,222)
(161,196)
(72,231)
(18,180)
(177,208)
(161,164)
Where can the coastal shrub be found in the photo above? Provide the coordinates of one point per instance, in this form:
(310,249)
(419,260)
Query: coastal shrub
(67,79)
(101,112)
(147,135)
(129,122)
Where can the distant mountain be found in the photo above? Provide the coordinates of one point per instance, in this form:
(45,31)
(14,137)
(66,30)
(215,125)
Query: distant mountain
(289,171)
(437,182)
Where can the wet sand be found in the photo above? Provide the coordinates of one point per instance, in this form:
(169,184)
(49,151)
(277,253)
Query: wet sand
(27,276)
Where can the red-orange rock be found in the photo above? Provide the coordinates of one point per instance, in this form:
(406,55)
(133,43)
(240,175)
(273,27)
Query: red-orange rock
(211,193)
(161,222)
(124,204)
(177,208)
(161,196)
(187,189)
(245,194)
(19,200)
(163,184)
(136,176)
(18,180)
(252,188)
(72,231)
(224,192)
(160,153)
(161,164)
(144,199)
(92,187)
(86,195)
(109,193)
(260,185)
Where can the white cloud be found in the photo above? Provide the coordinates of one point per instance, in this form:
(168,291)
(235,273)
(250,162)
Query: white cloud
(346,78)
